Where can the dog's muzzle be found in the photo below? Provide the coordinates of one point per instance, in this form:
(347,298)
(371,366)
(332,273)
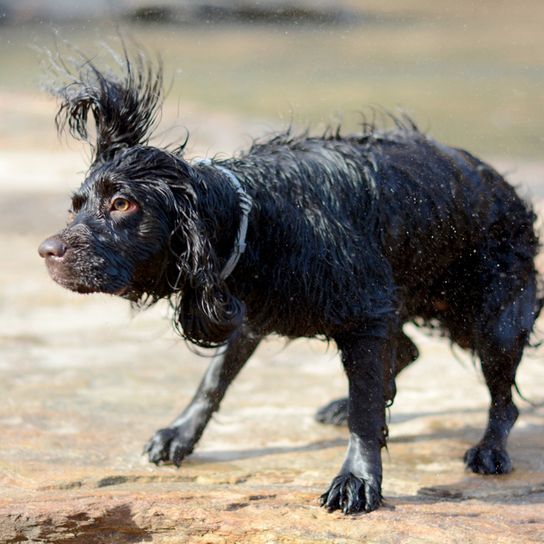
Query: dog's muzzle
(52,248)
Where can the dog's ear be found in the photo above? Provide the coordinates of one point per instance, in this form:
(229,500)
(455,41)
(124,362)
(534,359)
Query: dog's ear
(125,107)
(206,312)
(209,314)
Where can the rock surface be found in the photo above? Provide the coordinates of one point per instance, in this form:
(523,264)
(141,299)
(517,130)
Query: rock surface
(84,384)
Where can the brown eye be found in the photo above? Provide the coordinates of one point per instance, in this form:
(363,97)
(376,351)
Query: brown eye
(122,205)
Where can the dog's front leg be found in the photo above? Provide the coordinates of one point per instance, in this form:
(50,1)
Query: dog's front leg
(357,487)
(175,442)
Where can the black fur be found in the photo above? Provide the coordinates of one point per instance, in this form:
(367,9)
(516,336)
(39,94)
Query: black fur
(349,238)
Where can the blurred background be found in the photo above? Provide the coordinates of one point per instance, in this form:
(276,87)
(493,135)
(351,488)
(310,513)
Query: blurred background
(471,73)
(83,386)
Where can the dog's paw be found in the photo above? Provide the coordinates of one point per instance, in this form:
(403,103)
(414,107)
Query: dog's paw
(351,495)
(484,460)
(334,413)
(168,445)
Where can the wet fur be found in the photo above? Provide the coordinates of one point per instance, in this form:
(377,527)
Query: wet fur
(349,238)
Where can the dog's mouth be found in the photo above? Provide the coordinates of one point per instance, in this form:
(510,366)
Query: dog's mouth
(66,274)
(60,273)
(64,279)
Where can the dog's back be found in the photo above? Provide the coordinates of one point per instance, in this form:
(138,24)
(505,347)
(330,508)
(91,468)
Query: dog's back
(353,213)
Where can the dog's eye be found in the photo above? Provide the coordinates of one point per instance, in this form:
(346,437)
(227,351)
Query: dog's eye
(122,205)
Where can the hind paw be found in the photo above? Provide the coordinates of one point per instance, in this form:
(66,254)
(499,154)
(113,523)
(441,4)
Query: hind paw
(486,460)
(334,413)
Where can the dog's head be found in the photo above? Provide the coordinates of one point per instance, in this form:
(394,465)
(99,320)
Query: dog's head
(134,228)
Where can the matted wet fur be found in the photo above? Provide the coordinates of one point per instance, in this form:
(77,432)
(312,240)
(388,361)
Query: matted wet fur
(348,238)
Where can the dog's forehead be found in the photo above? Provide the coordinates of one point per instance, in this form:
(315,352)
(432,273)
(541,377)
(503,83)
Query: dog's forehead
(98,183)
(91,190)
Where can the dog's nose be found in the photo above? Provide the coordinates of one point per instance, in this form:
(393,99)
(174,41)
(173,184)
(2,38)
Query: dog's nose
(52,247)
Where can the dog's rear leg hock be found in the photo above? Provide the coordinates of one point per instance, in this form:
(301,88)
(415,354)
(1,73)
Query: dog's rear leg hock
(357,487)
(501,343)
(175,442)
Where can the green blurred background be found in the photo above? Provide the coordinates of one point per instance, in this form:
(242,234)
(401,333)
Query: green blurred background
(469,72)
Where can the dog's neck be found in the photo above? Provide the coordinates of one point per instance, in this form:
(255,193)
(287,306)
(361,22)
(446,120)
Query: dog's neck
(245,204)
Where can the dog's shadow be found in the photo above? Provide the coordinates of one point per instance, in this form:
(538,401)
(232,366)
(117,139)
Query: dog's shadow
(489,489)
(469,433)
(240,455)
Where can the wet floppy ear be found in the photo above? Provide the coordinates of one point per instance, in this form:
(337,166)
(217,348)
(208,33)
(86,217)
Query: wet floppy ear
(207,312)
(125,108)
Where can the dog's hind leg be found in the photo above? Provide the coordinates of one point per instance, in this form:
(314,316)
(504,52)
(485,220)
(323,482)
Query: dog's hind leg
(175,442)
(357,487)
(499,343)
(336,411)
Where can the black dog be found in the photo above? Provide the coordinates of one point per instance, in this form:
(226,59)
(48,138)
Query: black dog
(345,238)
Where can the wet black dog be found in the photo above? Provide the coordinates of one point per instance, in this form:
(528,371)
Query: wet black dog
(345,238)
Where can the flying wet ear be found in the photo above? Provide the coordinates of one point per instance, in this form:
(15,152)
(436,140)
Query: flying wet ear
(125,107)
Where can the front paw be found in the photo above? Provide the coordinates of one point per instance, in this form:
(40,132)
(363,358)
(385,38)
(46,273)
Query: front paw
(488,460)
(351,495)
(168,445)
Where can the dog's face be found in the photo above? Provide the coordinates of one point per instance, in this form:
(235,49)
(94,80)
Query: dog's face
(136,227)
(121,220)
